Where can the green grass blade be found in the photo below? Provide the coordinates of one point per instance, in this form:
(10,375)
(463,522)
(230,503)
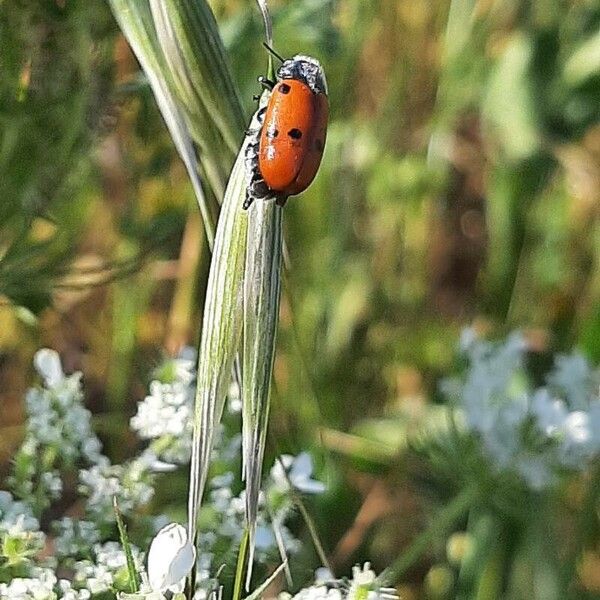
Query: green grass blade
(439,528)
(135,20)
(262,288)
(200,63)
(215,155)
(221,331)
(134,578)
(260,590)
(239,569)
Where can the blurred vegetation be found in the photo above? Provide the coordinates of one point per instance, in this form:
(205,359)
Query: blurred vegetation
(460,184)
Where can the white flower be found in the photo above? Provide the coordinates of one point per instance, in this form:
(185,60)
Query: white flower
(549,412)
(573,377)
(148,460)
(47,364)
(315,592)
(98,576)
(40,586)
(68,593)
(577,445)
(167,413)
(364,585)
(170,558)
(141,596)
(299,470)
(74,537)
(577,428)
(52,483)
(539,433)
(12,512)
(323,575)
(128,482)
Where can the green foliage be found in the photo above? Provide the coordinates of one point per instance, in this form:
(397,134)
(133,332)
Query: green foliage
(52,93)
(459,184)
(133,575)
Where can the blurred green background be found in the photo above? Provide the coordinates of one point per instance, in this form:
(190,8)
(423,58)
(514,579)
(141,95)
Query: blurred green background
(460,184)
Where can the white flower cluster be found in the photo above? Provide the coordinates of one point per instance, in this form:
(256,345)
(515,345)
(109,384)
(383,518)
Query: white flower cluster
(58,434)
(166,413)
(362,586)
(228,511)
(128,482)
(109,562)
(74,537)
(538,433)
(20,537)
(13,512)
(56,415)
(42,585)
(232,522)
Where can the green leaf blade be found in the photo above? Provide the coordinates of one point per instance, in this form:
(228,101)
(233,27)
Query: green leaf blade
(221,331)
(262,291)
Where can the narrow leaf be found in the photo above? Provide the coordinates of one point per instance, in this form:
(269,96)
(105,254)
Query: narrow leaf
(262,287)
(134,578)
(205,66)
(259,591)
(239,569)
(135,20)
(221,331)
(215,155)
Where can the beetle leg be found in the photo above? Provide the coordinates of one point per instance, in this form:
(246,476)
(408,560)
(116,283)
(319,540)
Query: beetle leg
(257,190)
(260,117)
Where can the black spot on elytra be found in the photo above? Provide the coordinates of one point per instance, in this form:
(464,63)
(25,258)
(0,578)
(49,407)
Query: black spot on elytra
(284,88)
(295,134)
(319,145)
(272,133)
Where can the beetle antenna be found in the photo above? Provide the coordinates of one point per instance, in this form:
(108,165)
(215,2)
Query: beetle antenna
(278,56)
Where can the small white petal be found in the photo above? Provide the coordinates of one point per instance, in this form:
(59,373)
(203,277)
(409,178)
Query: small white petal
(310,486)
(577,427)
(47,364)
(141,596)
(302,466)
(170,558)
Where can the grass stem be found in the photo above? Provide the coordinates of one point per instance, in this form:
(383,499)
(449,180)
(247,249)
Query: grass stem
(440,526)
(239,570)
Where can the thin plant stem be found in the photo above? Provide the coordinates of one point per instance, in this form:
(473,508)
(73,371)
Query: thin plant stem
(313,531)
(239,570)
(440,526)
(281,546)
(134,578)
(308,520)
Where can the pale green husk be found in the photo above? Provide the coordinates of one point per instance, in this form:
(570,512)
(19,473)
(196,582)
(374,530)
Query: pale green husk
(135,19)
(262,286)
(179,48)
(221,331)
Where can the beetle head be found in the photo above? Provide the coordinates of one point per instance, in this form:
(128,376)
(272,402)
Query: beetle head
(306,69)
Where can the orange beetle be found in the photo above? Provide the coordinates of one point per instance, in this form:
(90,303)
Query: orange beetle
(284,155)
